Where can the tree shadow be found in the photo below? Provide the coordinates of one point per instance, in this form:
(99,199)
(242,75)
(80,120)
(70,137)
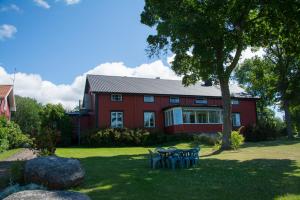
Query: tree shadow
(129,177)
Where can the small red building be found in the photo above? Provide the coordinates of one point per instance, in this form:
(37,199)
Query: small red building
(7,100)
(161,105)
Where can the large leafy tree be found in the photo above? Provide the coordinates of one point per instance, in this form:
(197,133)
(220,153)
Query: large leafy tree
(54,118)
(255,76)
(275,79)
(27,114)
(207,38)
(283,51)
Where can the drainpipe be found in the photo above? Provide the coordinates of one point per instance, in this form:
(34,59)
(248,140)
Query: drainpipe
(79,115)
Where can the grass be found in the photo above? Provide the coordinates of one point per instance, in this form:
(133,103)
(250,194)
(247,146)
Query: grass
(268,170)
(9,153)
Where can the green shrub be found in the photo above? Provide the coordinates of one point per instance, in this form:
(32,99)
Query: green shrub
(209,139)
(11,135)
(45,142)
(116,137)
(236,140)
(129,137)
(4,144)
(262,131)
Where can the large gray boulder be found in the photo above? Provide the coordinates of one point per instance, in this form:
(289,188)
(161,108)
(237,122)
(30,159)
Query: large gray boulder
(46,195)
(54,172)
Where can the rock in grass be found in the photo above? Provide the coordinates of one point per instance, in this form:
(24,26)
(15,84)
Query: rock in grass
(46,195)
(54,172)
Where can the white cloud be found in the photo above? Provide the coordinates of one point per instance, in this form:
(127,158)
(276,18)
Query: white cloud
(32,85)
(7,31)
(248,53)
(11,7)
(42,3)
(71,2)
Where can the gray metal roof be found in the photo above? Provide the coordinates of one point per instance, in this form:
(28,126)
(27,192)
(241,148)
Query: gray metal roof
(133,85)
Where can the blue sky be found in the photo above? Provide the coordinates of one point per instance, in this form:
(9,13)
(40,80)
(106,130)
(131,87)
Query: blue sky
(64,40)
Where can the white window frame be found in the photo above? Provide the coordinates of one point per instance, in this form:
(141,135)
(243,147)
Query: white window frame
(236,121)
(147,124)
(116,123)
(235,102)
(173,101)
(113,97)
(148,99)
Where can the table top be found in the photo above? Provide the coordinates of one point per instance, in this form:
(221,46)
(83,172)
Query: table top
(166,150)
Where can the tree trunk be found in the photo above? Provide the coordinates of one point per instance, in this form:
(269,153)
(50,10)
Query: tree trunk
(288,121)
(227,125)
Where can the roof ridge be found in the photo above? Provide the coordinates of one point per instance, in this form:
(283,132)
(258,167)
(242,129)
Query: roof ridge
(135,77)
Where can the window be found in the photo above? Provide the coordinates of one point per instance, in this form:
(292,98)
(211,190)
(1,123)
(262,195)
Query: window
(169,118)
(188,117)
(148,99)
(200,101)
(236,119)
(116,119)
(149,119)
(202,117)
(177,112)
(116,97)
(214,117)
(174,99)
(235,101)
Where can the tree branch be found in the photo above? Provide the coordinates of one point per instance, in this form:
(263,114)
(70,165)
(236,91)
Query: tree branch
(235,60)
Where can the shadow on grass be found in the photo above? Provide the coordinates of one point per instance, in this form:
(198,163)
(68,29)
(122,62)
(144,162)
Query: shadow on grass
(129,177)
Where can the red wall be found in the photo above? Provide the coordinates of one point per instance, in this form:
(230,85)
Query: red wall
(133,108)
(2,109)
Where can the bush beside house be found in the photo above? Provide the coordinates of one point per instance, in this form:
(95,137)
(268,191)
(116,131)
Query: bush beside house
(11,135)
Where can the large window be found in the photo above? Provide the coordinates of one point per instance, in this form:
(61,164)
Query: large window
(174,100)
(202,116)
(116,119)
(148,99)
(116,97)
(236,119)
(149,119)
(179,115)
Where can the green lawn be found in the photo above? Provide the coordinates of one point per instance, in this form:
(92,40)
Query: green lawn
(9,153)
(269,170)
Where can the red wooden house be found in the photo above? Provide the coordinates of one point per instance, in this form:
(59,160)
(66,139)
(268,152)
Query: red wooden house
(159,104)
(7,100)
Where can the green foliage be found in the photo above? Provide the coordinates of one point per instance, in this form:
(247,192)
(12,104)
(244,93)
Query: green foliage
(209,139)
(237,140)
(27,114)
(130,137)
(45,142)
(54,117)
(263,131)
(11,135)
(4,144)
(116,137)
